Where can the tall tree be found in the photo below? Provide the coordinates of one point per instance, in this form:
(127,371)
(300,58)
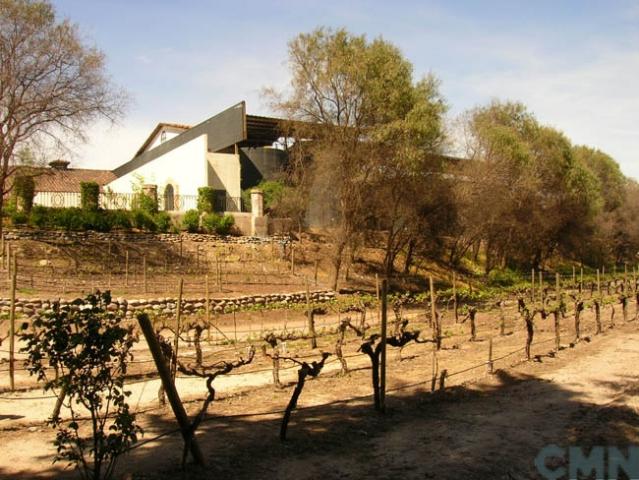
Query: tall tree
(52,85)
(355,107)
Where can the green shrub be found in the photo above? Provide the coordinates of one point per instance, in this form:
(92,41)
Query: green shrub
(503,278)
(24,191)
(211,222)
(143,220)
(67,218)
(273,191)
(89,196)
(146,203)
(206,199)
(163,222)
(225,224)
(191,221)
(39,217)
(95,220)
(19,218)
(119,219)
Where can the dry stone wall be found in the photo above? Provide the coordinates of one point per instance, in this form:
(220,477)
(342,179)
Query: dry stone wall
(168,306)
(64,236)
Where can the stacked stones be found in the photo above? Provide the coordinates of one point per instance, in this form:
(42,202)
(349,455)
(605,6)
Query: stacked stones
(168,306)
(63,236)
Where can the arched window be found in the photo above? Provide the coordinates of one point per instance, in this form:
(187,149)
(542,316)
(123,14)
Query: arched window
(169,198)
(163,136)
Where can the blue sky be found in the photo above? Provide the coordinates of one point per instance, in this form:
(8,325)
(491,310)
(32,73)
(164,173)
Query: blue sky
(574,63)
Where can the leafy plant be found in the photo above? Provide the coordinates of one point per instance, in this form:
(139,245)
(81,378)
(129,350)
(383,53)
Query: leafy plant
(206,199)
(89,196)
(143,220)
(191,221)
(81,351)
(163,221)
(211,222)
(24,190)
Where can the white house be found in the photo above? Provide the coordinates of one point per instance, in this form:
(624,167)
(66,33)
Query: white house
(230,151)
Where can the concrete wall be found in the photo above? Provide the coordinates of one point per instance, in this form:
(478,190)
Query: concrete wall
(185,168)
(223,173)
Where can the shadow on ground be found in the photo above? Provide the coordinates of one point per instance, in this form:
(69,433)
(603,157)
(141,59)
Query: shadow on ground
(488,432)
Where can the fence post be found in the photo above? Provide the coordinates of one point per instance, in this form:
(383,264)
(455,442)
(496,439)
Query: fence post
(315,271)
(12,324)
(146,290)
(490,355)
(310,318)
(455,308)
(433,313)
(292,259)
(581,280)
(9,253)
(541,287)
(178,321)
(169,388)
(126,268)
(378,298)
(382,382)
(208,299)
(598,285)
(532,285)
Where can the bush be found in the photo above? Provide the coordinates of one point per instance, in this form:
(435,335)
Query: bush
(89,196)
(503,278)
(83,350)
(39,217)
(163,222)
(24,191)
(143,220)
(119,219)
(206,199)
(273,191)
(19,218)
(146,203)
(97,221)
(210,222)
(225,225)
(191,221)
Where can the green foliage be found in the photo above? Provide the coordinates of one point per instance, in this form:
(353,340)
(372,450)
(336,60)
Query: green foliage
(163,222)
(24,191)
(503,278)
(83,350)
(143,220)
(19,218)
(143,202)
(89,196)
(213,223)
(206,199)
(273,191)
(191,221)
(210,222)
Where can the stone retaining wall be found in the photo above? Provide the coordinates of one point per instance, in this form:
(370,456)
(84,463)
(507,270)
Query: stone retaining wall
(167,306)
(63,236)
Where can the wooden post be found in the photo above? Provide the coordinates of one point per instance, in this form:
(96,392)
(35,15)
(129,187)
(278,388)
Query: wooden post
(382,382)
(574,277)
(12,324)
(435,322)
(126,268)
(178,322)
(490,355)
(9,261)
(379,307)
(315,271)
(455,307)
(208,299)
(581,279)
(310,317)
(2,249)
(197,258)
(169,388)
(532,285)
(146,289)
(541,287)
(598,285)
(292,259)
(218,271)
(625,277)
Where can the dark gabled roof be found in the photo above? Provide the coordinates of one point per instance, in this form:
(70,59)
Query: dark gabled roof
(229,127)
(69,180)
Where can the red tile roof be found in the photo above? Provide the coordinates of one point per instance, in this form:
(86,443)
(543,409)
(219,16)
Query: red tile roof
(68,180)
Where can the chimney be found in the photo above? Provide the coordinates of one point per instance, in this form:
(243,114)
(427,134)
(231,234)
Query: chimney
(59,164)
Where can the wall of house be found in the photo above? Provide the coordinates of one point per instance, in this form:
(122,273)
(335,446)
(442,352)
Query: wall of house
(223,173)
(185,168)
(157,140)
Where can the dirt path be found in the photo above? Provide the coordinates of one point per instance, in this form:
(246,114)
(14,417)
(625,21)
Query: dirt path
(491,429)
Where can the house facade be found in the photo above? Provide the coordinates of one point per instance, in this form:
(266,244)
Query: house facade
(229,152)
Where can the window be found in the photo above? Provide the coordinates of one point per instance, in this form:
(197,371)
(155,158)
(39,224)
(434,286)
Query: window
(169,198)
(163,136)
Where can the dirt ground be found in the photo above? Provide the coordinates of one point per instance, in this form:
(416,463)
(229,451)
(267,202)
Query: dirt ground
(481,426)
